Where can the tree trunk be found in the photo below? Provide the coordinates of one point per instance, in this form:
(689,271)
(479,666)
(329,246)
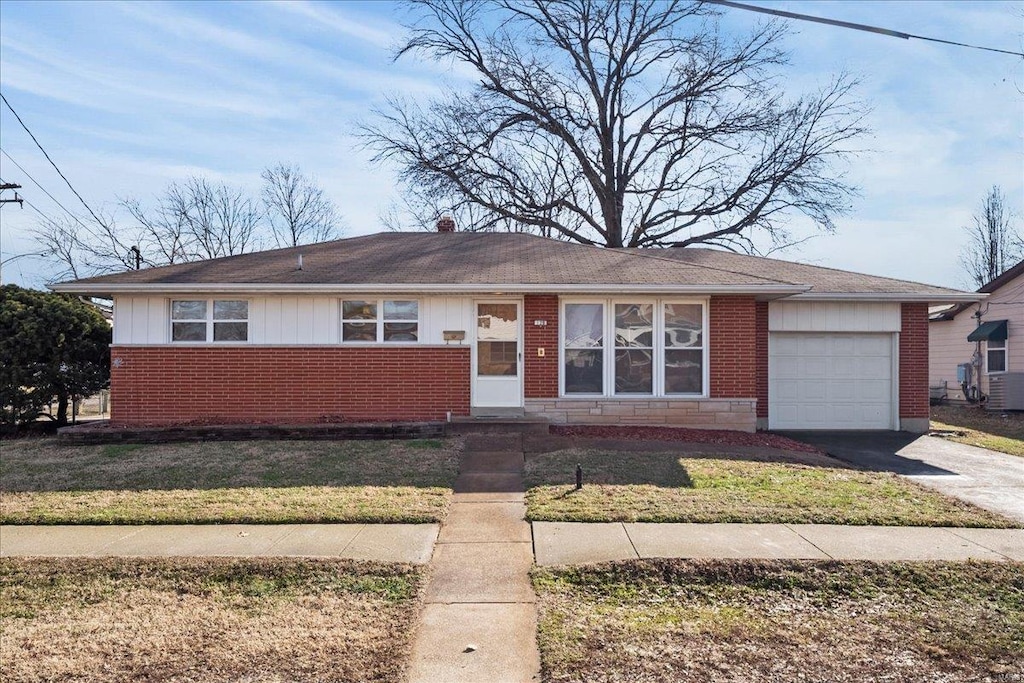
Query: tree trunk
(62,409)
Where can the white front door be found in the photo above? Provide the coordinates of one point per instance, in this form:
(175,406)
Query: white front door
(497,355)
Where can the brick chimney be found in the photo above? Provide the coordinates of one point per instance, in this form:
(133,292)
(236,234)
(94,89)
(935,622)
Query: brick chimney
(446,223)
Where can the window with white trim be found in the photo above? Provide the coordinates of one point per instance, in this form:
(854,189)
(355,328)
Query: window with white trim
(995,356)
(616,347)
(634,348)
(583,352)
(374,320)
(209,320)
(684,348)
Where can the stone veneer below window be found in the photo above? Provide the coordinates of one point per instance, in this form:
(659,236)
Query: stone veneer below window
(703,413)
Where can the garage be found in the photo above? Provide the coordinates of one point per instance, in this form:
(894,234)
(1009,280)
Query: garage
(830,380)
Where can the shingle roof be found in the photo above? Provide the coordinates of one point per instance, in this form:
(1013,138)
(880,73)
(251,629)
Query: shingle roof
(497,259)
(821,279)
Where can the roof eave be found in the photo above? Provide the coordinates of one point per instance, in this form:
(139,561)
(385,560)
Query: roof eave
(908,297)
(106,290)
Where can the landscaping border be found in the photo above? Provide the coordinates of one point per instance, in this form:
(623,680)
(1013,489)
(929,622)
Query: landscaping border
(101,432)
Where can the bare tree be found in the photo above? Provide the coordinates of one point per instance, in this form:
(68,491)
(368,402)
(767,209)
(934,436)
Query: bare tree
(993,243)
(58,238)
(85,248)
(618,123)
(297,209)
(190,221)
(163,234)
(219,220)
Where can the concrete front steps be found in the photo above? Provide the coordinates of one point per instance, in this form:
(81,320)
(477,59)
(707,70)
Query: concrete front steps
(491,468)
(479,620)
(500,425)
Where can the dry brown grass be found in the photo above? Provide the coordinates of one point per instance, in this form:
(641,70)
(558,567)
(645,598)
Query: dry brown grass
(813,622)
(45,482)
(975,426)
(206,620)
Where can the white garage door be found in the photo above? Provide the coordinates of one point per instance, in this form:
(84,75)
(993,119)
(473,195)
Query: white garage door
(830,380)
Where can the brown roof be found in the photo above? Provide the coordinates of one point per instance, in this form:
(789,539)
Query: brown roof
(821,279)
(497,259)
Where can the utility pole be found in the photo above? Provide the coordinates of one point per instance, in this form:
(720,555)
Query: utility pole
(17,199)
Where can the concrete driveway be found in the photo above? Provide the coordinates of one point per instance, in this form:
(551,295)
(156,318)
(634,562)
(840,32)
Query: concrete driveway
(991,480)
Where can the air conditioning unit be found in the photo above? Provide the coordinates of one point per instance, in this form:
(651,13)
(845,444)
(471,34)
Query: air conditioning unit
(1006,391)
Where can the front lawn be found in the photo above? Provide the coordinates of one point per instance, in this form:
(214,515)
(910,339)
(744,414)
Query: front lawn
(45,482)
(205,620)
(996,431)
(720,620)
(665,487)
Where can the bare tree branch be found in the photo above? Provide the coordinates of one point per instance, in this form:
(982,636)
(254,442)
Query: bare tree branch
(618,123)
(994,245)
(190,221)
(296,207)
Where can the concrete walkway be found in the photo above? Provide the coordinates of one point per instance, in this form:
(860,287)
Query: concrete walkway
(382,542)
(575,543)
(479,622)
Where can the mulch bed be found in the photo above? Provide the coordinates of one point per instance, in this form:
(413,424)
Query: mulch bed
(710,436)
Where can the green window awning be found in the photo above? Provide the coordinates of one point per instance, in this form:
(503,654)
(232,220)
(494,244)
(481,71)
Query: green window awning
(994,330)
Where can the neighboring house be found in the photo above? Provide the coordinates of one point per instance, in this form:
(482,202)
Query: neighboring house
(992,342)
(429,326)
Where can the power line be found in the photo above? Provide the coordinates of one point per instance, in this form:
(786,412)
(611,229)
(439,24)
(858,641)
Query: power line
(36,182)
(856,27)
(59,172)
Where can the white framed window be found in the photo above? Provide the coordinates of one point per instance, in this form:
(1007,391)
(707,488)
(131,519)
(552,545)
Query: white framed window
(639,347)
(634,348)
(995,356)
(583,348)
(380,320)
(209,320)
(684,338)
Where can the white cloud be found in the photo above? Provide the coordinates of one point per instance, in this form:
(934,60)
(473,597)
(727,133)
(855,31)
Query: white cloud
(382,35)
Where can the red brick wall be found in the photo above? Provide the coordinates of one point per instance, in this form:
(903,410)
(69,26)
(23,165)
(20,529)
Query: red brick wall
(733,346)
(914,361)
(541,374)
(761,313)
(167,385)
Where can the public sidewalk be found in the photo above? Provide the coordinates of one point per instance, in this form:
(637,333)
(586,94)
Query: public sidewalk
(485,546)
(382,542)
(575,543)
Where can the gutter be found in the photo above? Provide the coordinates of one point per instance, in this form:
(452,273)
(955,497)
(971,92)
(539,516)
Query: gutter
(891,297)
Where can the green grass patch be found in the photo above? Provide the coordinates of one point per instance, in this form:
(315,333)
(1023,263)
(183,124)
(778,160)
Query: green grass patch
(209,619)
(974,426)
(45,482)
(664,487)
(729,620)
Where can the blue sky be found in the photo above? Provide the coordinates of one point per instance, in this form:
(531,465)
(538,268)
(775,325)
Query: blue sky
(129,97)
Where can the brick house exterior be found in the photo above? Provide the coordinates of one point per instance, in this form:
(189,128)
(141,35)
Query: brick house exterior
(436,326)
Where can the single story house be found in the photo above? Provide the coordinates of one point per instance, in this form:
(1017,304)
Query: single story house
(988,336)
(434,325)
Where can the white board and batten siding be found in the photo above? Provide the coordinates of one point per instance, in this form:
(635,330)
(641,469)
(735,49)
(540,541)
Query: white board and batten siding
(141,320)
(833,365)
(286,320)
